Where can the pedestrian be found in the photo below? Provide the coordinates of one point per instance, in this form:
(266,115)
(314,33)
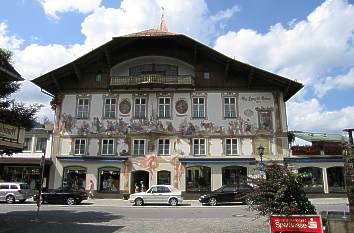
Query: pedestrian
(143,189)
(137,189)
(91,190)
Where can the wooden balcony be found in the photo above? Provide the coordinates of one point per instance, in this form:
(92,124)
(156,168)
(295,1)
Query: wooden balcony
(152,80)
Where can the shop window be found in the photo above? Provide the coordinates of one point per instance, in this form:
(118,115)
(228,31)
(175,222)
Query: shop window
(233,175)
(108,179)
(231,146)
(198,179)
(23,174)
(164,177)
(41,144)
(335,177)
(74,178)
(164,146)
(312,179)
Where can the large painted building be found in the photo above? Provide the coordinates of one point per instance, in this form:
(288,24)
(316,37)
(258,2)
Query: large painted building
(156,107)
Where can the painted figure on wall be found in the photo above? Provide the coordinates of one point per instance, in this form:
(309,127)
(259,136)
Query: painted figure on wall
(207,126)
(97,126)
(84,129)
(147,162)
(67,123)
(187,128)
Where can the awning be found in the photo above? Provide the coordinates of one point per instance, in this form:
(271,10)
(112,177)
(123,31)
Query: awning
(315,160)
(106,159)
(218,160)
(26,161)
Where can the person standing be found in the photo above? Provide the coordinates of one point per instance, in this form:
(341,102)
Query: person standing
(142,186)
(91,190)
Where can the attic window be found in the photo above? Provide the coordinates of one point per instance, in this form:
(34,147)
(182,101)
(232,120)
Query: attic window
(206,75)
(98,77)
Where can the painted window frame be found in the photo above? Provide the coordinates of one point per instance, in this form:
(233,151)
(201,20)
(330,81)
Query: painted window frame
(108,144)
(139,145)
(199,144)
(81,114)
(45,139)
(111,114)
(29,146)
(136,105)
(198,105)
(231,114)
(164,144)
(166,114)
(85,146)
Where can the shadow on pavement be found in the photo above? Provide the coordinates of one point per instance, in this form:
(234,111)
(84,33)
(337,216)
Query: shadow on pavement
(58,221)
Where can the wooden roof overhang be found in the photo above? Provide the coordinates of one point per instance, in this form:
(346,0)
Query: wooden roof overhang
(178,46)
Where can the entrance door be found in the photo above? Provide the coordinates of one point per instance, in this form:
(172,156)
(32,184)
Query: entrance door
(139,178)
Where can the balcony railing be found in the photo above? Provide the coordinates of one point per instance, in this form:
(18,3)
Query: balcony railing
(168,80)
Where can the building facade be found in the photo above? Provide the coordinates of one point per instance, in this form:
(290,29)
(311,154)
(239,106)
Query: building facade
(319,156)
(156,107)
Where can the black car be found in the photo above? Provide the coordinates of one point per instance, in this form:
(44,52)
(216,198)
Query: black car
(63,196)
(226,194)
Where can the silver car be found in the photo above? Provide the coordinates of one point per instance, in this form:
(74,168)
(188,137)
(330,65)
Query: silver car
(158,194)
(13,191)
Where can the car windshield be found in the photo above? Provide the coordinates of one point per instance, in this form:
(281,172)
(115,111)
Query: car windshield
(24,186)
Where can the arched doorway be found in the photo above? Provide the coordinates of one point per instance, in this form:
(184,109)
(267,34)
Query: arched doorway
(233,175)
(138,177)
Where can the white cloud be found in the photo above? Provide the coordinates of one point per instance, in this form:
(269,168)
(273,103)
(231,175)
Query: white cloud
(52,7)
(306,51)
(7,41)
(311,115)
(225,14)
(338,82)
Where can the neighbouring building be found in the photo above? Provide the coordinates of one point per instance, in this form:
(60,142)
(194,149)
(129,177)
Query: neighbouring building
(319,156)
(161,108)
(11,137)
(25,166)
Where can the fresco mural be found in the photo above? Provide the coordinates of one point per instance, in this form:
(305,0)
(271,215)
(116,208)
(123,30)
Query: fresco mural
(178,169)
(67,123)
(148,163)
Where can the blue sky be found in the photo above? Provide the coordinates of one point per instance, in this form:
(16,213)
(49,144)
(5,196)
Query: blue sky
(308,41)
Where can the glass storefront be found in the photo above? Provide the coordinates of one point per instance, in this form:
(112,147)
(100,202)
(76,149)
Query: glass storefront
(29,175)
(313,179)
(74,178)
(335,177)
(198,179)
(164,177)
(233,175)
(108,179)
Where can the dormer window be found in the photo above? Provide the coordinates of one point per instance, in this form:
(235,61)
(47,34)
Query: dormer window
(99,77)
(163,69)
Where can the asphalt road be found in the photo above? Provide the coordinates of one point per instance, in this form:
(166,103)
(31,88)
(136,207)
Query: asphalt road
(88,218)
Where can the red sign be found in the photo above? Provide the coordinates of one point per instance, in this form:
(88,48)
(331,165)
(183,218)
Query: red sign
(296,223)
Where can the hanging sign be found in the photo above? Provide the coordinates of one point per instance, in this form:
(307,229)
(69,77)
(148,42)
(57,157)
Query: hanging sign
(296,223)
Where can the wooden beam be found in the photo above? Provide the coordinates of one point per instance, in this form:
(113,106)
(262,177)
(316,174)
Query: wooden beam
(108,57)
(56,82)
(77,72)
(250,77)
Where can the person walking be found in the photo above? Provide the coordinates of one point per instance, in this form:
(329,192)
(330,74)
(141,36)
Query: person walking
(91,190)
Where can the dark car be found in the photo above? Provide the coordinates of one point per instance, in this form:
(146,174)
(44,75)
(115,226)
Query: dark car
(226,194)
(63,196)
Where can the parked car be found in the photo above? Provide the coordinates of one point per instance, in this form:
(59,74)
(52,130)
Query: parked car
(226,194)
(158,194)
(63,196)
(14,191)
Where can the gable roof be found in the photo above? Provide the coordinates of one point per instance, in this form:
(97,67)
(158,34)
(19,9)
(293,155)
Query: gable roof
(48,80)
(7,71)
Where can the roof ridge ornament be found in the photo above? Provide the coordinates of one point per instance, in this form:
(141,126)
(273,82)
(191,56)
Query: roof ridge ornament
(163,24)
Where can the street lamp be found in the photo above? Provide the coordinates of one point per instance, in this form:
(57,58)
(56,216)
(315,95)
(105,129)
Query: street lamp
(261,164)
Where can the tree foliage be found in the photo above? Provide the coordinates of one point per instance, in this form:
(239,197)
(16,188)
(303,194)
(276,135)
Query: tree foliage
(280,193)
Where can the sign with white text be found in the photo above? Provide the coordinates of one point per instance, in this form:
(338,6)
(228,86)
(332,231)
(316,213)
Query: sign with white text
(296,223)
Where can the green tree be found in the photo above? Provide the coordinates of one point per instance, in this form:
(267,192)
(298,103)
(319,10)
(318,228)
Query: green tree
(12,112)
(280,193)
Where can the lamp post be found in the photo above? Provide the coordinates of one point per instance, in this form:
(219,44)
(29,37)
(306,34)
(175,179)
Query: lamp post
(39,198)
(261,164)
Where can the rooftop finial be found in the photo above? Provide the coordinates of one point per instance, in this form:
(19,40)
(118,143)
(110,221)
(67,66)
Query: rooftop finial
(163,25)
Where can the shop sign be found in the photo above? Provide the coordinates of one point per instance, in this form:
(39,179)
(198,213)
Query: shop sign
(8,131)
(296,223)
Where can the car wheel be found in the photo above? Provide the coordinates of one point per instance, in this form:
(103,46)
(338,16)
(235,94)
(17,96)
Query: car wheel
(70,201)
(173,201)
(22,201)
(139,202)
(10,199)
(212,201)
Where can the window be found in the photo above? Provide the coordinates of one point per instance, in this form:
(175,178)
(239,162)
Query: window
(140,108)
(108,179)
(74,178)
(13,187)
(164,146)
(27,145)
(139,147)
(41,144)
(198,179)
(230,107)
(98,77)
(80,147)
(107,146)
(206,75)
(164,177)
(4,186)
(164,107)
(83,108)
(231,146)
(199,107)
(199,146)
(110,108)
(233,175)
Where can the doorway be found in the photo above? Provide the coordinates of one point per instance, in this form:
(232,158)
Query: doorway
(139,177)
